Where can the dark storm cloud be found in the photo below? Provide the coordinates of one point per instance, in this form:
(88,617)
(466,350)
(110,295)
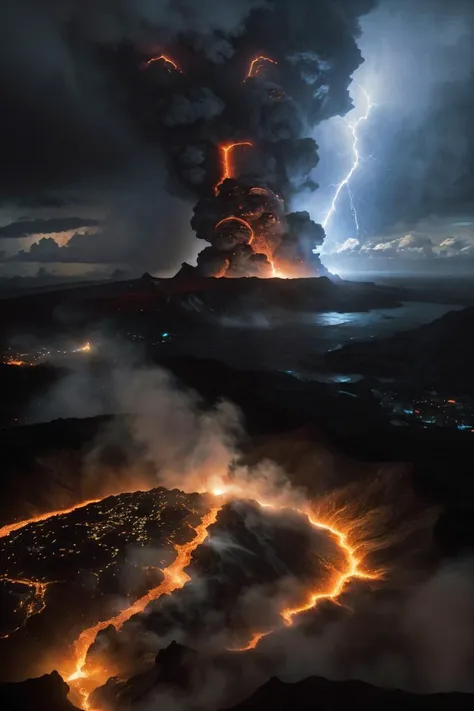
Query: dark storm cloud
(420,70)
(44,227)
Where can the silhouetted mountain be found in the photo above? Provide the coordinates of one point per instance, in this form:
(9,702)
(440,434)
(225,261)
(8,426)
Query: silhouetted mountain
(438,354)
(317,694)
(46,693)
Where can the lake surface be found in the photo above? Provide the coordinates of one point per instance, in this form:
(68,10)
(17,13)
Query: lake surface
(298,344)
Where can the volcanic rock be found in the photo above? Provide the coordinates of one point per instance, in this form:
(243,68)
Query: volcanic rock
(46,693)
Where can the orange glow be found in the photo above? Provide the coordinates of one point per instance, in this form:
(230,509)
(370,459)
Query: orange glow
(85,680)
(222,272)
(339,531)
(16,362)
(452,402)
(256,65)
(31,605)
(9,528)
(162,58)
(353,570)
(227,168)
(232,218)
(86,348)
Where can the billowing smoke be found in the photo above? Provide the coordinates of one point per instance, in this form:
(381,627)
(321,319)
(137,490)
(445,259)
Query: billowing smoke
(145,82)
(236,131)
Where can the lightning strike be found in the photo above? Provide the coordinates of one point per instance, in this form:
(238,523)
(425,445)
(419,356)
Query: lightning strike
(355,164)
(245,224)
(256,65)
(170,63)
(227,168)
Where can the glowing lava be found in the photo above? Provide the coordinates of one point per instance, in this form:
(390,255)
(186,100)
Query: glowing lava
(227,170)
(162,58)
(232,218)
(85,680)
(356,162)
(353,570)
(32,604)
(9,528)
(256,65)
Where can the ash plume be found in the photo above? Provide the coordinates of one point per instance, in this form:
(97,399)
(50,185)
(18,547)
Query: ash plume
(119,111)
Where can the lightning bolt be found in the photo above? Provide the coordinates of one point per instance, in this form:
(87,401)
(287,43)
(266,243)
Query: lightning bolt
(355,164)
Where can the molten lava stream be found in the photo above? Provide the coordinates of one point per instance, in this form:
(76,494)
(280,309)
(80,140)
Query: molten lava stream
(11,527)
(352,571)
(84,680)
(227,170)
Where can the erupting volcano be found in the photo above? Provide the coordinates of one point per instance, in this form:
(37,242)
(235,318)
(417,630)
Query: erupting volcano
(237,135)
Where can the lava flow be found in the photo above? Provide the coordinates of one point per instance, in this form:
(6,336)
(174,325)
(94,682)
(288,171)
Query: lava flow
(85,680)
(162,58)
(9,528)
(352,571)
(226,165)
(256,65)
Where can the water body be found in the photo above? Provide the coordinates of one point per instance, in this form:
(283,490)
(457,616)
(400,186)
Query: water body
(290,343)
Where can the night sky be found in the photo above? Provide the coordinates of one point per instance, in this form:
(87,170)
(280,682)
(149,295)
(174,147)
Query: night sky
(86,187)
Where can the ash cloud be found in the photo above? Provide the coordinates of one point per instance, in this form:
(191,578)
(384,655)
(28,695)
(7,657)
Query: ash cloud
(81,103)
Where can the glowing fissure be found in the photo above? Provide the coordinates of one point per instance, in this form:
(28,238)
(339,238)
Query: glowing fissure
(84,680)
(233,218)
(256,64)
(162,58)
(227,170)
(352,571)
(355,164)
(11,527)
(31,605)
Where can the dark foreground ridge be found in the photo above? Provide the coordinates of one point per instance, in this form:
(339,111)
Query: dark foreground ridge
(49,692)
(316,693)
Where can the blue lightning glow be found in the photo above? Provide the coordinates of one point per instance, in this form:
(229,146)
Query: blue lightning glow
(355,164)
